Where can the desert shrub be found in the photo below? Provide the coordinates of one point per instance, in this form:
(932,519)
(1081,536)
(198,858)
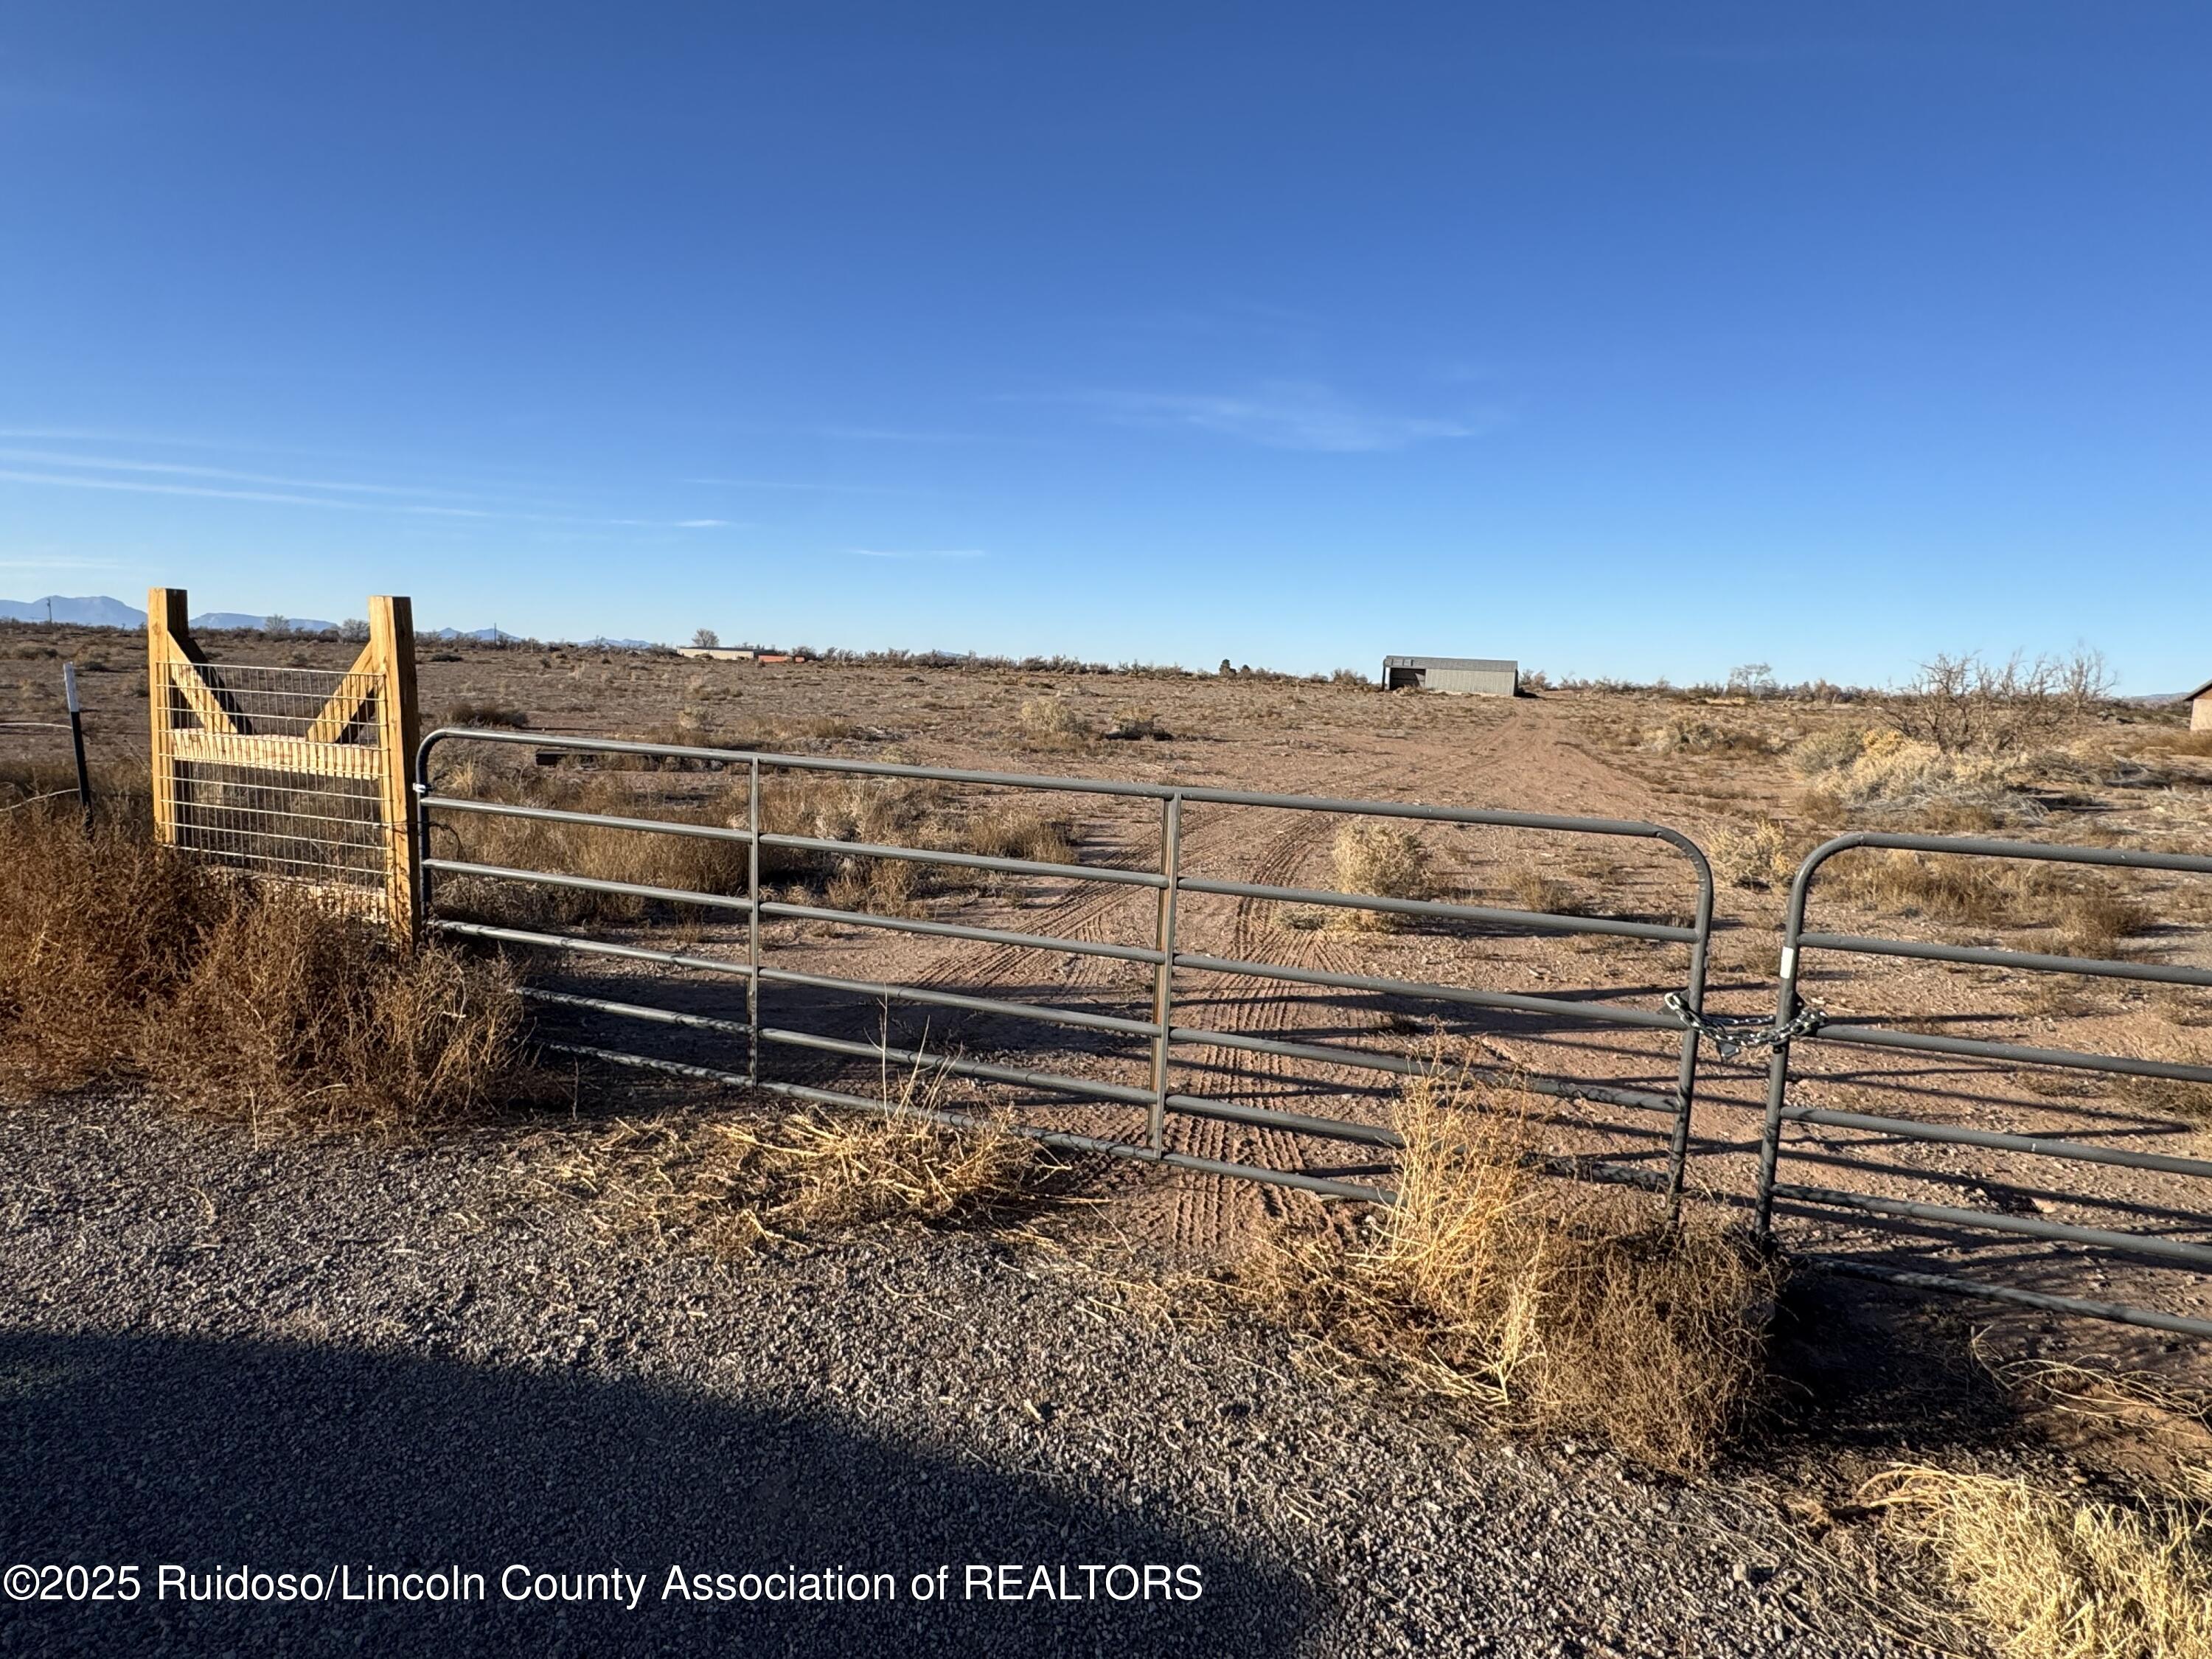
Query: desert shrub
(1965,704)
(293,1011)
(1052,723)
(1756,855)
(2098,923)
(2172,1097)
(1382,857)
(2052,1576)
(124,962)
(1132,724)
(1555,1310)
(1896,776)
(1689,734)
(1533,887)
(1982,891)
(1011,832)
(489,712)
(94,932)
(1831,750)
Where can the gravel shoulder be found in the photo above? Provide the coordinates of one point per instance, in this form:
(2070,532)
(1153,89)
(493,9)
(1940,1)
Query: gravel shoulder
(298,1355)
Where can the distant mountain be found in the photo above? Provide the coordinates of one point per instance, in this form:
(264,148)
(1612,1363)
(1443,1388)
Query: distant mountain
(101,612)
(91,612)
(216,619)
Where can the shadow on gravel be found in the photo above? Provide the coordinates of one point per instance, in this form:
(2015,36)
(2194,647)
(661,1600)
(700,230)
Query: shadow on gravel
(301,1459)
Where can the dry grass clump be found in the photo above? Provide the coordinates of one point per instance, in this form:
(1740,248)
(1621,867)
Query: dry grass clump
(1557,1311)
(1889,774)
(1982,891)
(1829,750)
(1758,855)
(729,1186)
(1382,857)
(487,712)
(292,1012)
(1133,725)
(863,1169)
(2179,743)
(2097,923)
(695,863)
(1052,722)
(2053,1576)
(2173,1097)
(2084,917)
(1006,831)
(1689,734)
(123,961)
(1534,889)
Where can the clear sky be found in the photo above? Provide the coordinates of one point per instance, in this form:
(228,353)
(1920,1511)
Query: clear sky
(1628,339)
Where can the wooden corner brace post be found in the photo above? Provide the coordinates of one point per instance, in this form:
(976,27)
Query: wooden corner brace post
(168,636)
(392,647)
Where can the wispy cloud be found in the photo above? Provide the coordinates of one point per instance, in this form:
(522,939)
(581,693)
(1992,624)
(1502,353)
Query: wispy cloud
(918,553)
(799,486)
(895,434)
(178,469)
(141,478)
(1288,414)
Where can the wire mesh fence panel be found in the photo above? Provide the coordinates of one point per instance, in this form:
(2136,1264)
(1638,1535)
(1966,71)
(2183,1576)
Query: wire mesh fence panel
(288,772)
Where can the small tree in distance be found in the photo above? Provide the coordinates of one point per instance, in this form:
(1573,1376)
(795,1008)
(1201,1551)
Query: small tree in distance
(354,631)
(706,638)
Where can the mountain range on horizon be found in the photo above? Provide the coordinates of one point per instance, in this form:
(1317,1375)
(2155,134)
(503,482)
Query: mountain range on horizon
(99,610)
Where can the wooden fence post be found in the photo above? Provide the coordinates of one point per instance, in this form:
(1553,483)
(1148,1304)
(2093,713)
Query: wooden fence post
(391,638)
(168,636)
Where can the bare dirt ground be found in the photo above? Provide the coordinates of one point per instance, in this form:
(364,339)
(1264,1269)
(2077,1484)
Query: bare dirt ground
(1708,768)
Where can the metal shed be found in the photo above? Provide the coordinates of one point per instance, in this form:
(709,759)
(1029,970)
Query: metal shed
(2200,708)
(1479,677)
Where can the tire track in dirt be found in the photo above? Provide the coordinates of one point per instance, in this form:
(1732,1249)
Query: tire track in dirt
(1210,1209)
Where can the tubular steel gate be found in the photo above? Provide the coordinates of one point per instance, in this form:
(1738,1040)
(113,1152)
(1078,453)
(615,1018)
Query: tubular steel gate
(1174,1038)
(1793,1017)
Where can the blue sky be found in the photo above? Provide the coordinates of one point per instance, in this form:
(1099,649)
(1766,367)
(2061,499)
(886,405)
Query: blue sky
(1623,339)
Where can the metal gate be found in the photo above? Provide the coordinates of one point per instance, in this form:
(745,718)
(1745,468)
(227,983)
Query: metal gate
(1177,1040)
(1794,1018)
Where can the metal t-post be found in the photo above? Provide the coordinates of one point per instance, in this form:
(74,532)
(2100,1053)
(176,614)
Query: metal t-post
(76,738)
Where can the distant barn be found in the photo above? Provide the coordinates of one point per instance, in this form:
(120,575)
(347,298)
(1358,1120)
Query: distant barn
(1475,676)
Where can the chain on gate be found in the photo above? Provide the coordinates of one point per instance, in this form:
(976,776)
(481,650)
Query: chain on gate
(1735,1033)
